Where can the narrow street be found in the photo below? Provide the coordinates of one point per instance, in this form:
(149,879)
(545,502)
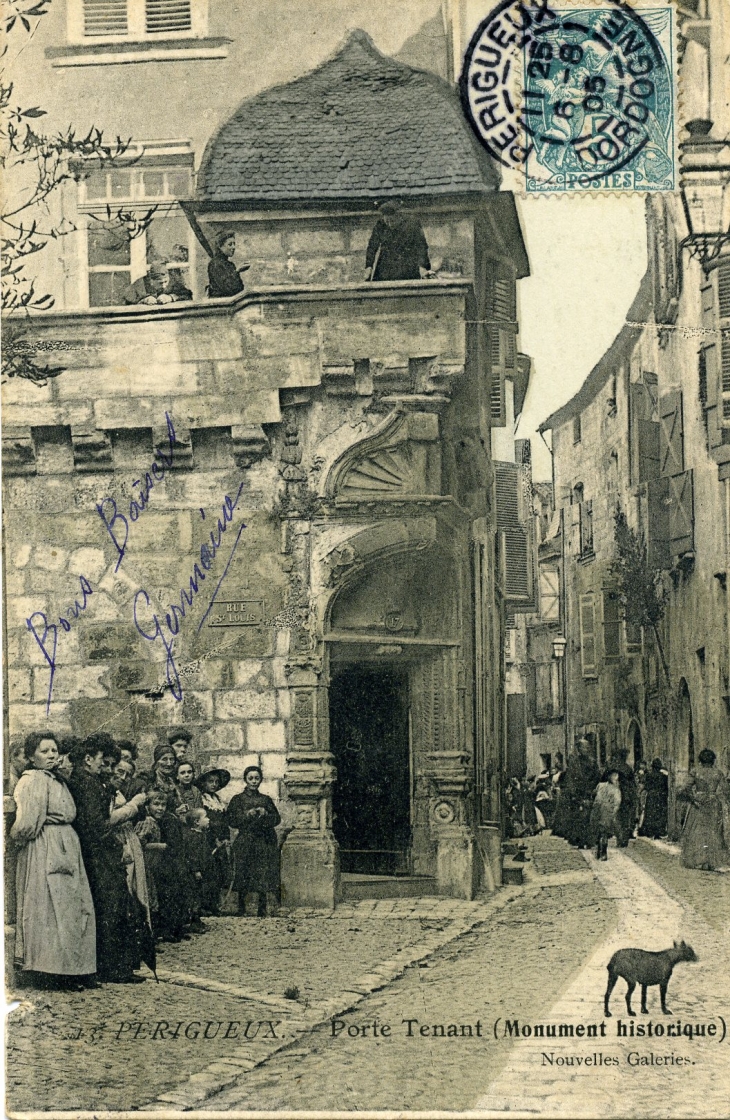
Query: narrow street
(371,987)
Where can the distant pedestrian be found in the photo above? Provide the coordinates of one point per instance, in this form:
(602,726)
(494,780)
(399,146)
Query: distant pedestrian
(255,849)
(627,814)
(606,805)
(706,832)
(581,779)
(656,786)
(397,249)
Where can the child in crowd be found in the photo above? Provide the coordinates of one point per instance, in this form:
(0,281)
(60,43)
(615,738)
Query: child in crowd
(603,815)
(148,831)
(190,795)
(199,860)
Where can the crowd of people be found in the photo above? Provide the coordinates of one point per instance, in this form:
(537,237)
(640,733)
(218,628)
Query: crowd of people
(112,859)
(588,806)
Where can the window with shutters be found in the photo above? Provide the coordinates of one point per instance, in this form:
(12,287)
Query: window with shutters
(501,327)
(612,626)
(723,305)
(644,421)
(702,377)
(587,613)
(516,565)
(586,528)
(677,492)
(549,594)
(100,21)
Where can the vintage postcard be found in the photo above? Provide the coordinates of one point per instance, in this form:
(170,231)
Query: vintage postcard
(366,557)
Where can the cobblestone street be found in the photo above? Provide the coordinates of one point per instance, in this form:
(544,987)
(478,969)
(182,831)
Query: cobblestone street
(535,954)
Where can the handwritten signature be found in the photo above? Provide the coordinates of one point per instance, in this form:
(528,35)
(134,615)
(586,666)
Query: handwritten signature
(152,630)
(117,525)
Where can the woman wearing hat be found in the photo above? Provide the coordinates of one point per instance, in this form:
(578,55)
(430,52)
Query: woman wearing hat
(255,849)
(210,783)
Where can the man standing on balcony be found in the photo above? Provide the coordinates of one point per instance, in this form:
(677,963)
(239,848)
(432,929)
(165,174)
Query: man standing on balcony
(397,249)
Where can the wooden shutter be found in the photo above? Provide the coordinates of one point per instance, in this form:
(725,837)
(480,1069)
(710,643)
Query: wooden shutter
(588,663)
(647,436)
(658,527)
(500,315)
(105,17)
(516,565)
(507,495)
(164,16)
(681,513)
(612,626)
(497,404)
(671,440)
(550,594)
(725,379)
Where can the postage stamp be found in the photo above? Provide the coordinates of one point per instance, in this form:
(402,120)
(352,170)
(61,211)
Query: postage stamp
(575,99)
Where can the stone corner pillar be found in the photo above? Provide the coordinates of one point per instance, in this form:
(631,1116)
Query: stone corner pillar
(310,861)
(457,858)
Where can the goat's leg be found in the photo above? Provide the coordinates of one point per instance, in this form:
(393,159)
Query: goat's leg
(612,978)
(629,992)
(643,1000)
(663,992)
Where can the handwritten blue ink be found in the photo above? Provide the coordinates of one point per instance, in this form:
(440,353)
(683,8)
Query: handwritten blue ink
(51,629)
(139,503)
(174,618)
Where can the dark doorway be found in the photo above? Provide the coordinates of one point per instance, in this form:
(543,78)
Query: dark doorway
(372,794)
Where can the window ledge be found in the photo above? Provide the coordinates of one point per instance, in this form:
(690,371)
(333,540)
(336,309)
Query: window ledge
(585,557)
(152,50)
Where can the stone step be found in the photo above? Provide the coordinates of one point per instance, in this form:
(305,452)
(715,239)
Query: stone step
(387,886)
(513,872)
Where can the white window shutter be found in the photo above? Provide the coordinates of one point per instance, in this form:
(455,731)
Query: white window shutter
(588,660)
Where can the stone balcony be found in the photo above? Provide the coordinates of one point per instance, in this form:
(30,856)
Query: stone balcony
(232,363)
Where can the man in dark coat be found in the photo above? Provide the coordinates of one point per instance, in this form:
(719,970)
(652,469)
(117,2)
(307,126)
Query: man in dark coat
(626,815)
(581,779)
(117,947)
(224,278)
(255,849)
(397,249)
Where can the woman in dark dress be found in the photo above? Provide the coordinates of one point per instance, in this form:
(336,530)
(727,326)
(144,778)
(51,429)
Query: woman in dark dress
(656,786)
(224,279)
(255,849)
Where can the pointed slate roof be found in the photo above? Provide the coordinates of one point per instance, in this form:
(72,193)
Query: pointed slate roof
(360,126)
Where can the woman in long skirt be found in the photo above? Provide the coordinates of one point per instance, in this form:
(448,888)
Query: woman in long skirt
(255,849)
(55,937)
(706,832)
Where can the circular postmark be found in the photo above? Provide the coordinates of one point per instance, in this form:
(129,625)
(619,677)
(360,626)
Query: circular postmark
(574,98)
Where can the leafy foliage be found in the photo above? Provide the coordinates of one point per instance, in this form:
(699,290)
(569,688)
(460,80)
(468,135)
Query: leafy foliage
(642,594)
(34,165)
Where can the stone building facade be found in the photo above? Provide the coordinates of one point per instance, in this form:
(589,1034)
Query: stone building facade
(270,517)
(647,433)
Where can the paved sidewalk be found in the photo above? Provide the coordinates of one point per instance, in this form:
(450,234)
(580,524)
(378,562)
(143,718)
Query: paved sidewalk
(532,1084)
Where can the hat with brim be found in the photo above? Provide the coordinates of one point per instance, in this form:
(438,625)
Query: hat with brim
(223,777)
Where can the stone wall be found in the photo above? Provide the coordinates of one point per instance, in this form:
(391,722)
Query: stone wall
(280,445)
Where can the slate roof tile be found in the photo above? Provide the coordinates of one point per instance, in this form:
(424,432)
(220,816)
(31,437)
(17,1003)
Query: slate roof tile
(396,130)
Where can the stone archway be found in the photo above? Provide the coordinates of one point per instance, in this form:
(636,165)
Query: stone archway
(634,743)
